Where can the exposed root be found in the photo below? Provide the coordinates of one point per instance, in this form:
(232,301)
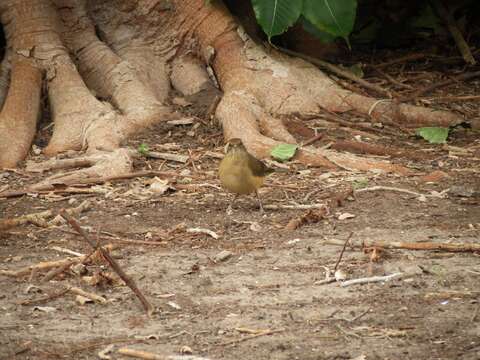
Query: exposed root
(98,165)
(118,82)
(237,113)
(4,78)
(77,115)
(261,87)
(82,122)
(18,118)
(189,75)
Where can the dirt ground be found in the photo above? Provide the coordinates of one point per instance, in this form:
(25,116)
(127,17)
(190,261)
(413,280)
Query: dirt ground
(255,292)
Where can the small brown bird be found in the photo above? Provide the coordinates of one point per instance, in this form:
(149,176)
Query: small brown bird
(240,172)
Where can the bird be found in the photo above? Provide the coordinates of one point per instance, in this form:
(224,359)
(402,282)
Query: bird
(240,172)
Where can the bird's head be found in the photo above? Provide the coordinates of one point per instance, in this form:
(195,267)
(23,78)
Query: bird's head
(233,145)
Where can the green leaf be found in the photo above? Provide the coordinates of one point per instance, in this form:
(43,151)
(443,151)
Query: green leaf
(284,152)
(335,17)
(434,135)
(276,16)
(323,36)
(143,148)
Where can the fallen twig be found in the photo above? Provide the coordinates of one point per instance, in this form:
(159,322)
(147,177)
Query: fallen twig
(343,250)
(348,333)
(67,251)
(402,59)
(47,265)
(294,207)
(40,218)
(313,139)
(56,271)
(203,231)
(42,187)
(44,299)
(162,155)
(325,281)
(357,317)
(111,261)
(370,279)
(450,247)
(140,354)
(36,218)
(253,336)
(116,239)
(427,89)
(89,295)
(389,188)
(454,98)
(448,18)
(392,79)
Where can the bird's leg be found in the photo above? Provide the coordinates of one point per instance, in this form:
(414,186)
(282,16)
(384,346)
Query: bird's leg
(230,207)
(259,202)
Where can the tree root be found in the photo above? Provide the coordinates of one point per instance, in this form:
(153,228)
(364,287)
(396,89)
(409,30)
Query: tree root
(261,87)
(81,120)
(4,78)
(98,165)
(18,119)
(119,82)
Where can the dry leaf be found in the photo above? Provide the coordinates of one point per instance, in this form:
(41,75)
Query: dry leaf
(159,186)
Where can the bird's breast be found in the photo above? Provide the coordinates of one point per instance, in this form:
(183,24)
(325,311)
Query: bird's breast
(237,177)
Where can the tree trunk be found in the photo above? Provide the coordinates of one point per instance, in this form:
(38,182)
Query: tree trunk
(108,66)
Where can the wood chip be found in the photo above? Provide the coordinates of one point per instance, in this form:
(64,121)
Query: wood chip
(203,231)
(185,121)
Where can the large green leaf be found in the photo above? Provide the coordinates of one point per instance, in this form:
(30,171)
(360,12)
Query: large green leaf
(335,17)
(319,34)
(434,135)
(276,16)
(284,152)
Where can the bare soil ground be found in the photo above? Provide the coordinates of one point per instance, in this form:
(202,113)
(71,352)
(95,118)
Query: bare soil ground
(214,306)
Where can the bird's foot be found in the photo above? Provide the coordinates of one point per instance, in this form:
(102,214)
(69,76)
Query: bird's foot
(262,211)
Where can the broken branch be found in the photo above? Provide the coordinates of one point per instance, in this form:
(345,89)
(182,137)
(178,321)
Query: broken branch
(343,250)
(370,279)
(47,265)
(111,261)
(449,247)
(448,18)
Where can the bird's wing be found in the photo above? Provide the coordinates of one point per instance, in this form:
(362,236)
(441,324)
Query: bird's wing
(258,168)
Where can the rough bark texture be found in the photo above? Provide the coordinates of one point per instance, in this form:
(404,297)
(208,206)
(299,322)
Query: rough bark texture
(261,86)
(18,118)
(109,65)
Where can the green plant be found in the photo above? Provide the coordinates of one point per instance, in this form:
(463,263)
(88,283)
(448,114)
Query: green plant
(143,149)
(327,19)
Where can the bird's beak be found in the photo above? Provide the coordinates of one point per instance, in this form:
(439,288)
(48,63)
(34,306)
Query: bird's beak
(225,149)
